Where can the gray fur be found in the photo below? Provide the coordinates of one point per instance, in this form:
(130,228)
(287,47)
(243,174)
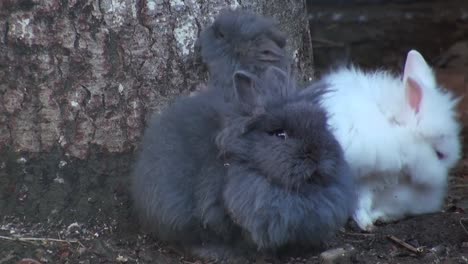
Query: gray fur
(211,171)
(241,40)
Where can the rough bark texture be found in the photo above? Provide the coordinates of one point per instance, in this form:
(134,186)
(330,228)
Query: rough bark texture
(78,79)
(81,73)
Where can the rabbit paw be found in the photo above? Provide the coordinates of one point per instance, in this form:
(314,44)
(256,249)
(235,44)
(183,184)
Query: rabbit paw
(364,220)
(363,215)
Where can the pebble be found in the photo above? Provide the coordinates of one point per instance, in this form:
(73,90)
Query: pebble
(340,255)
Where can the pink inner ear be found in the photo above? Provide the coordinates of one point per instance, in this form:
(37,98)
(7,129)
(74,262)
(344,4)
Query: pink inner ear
(414,94)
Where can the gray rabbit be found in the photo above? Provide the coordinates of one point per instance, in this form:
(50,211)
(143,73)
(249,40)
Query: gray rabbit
(241,40)
(261,170)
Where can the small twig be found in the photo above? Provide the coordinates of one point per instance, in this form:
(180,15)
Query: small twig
(463,225)
(33,239)
(358,234)
(355,240)
(405,245)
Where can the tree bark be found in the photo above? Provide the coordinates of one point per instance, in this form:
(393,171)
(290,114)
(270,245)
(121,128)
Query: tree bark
(81,73)
(78,80)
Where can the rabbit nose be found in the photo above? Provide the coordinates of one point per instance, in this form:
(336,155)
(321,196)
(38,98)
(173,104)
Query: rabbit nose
(440,155)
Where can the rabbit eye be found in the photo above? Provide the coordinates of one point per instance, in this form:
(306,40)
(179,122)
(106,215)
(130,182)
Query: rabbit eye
(440,155)
(279,133)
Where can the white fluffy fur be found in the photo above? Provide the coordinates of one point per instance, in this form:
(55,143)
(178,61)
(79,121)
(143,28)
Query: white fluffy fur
(390,147)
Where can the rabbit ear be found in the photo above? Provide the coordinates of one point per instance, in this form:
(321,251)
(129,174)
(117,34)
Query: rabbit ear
(277,73)
(244,86)
(279,80)
(416,69)
(414,94)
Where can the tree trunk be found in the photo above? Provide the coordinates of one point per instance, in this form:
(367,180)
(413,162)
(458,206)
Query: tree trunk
(78,79)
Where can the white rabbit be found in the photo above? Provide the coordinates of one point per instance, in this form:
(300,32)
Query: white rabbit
(400,135)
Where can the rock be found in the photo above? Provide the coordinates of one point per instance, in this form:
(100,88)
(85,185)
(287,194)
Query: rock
(338,255)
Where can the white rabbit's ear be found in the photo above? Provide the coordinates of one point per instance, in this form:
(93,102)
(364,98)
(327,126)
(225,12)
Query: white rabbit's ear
(416,70)
(414,94)
(244,87)
(416,67)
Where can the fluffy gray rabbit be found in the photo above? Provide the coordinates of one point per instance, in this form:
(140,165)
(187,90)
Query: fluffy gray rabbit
(262,170)
(241,40)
